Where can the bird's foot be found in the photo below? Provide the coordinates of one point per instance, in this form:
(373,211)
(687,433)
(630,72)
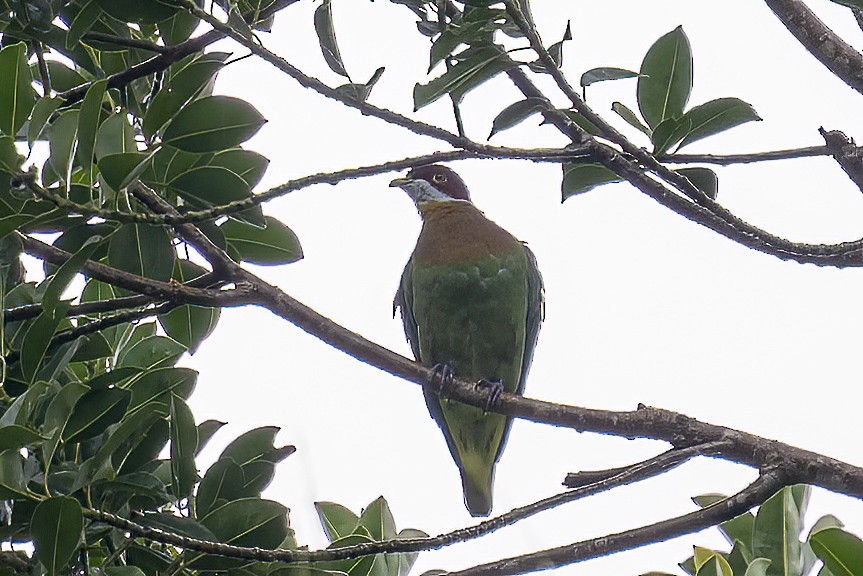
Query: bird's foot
(493,389)
(440,381)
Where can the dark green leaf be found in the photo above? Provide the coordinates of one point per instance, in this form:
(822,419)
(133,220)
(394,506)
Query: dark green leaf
(189,325)
(34,347)
(121,170)
(555,51)
(83,21)
(156,386)
(668,133)
(16,94)
(475,66)
(213,124)
(179,27)
(716,116)
(249,522)
(94,412)
(151,353)
(595,75)
(88,122)
(56,531)
(665,78)
(858,4)
(327,38)
(248,165)
(222,483)
(14,437)
(275,244)
(66,273)
(254,445)
(516,113)
(581,178)
(189,78)
(627,114)
(57,416)
(12,475)
(141,11)
(10,160)
(210,186)
(206,430)
(142,249)
(703,178)
(184,443)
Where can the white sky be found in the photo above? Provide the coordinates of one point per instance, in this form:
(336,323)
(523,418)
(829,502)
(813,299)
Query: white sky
(642,305)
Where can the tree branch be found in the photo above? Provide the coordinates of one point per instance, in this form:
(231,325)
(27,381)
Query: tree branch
(728,159)
(752,495)
(838,56)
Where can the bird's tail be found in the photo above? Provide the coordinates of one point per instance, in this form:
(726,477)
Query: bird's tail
(477,478)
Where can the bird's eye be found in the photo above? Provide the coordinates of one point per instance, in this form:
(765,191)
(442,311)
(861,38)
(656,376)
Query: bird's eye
(438,178)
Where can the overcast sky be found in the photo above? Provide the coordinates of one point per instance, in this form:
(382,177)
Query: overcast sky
(642,305)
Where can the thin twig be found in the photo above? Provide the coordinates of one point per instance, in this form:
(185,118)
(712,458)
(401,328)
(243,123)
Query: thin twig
(127,42)
(728,159)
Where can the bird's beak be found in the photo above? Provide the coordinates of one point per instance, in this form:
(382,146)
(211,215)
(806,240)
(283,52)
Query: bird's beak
(399,182)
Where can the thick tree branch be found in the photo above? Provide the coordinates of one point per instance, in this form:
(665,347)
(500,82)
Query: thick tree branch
(828,48)
(847,154)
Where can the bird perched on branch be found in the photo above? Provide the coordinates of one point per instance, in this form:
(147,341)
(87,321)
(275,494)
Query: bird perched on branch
(471,301)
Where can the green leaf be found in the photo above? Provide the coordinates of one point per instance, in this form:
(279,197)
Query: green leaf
(841,552)
(327,38)
(121,170)
(140,11)
(10,160)
(94,412)
(516,113)
(184,443)
(668,133)
(62,136)
(115,136)
(275,244)
(34,347)
(16,94)
(12,475)
(775,534)
(255,445)
(156,385)
(42,111)
(739,557)
(179,27)
(56,531)
(57,416)
(15,437)
(581,178)
(249,522)
(88,122)
(475,66)
(206,430)
(665,78)
(66,273)
(210,186)
(189,325)
(222,483)
(627,114)
(555,51)
(716,565)
(595,75)
(734,530)
(124,571)
(716,116)
(407,559)
(213,124)
(248,165)
(704,179)
(152,352)
(189,77)
(336,520)
(378,520)
(758,567)
(858,4)
(142,249)
(83,21)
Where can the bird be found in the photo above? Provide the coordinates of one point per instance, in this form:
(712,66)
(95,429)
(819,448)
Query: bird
(471,300)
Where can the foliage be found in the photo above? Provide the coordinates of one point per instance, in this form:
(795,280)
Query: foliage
(768,543)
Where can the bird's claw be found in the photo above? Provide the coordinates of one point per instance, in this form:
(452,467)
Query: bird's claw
(440,381)
(493,389)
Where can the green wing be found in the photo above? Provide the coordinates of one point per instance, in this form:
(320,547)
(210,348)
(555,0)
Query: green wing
(535,314)
(404,302)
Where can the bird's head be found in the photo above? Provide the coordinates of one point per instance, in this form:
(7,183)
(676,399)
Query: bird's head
(433,183)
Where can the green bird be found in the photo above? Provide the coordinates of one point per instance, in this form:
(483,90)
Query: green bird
(471,301)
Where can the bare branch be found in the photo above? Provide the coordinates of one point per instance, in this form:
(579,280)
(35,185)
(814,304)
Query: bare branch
(847,154)
(838,56)
(728,159)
